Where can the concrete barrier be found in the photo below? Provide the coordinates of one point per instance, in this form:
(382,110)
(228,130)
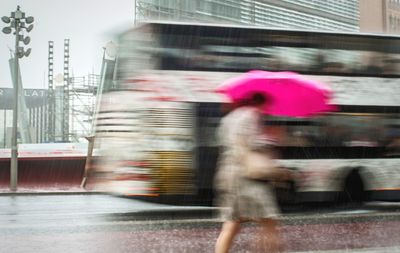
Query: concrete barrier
(57,166)
(54,172)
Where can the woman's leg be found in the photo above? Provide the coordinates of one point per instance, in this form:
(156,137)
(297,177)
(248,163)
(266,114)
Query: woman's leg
(225,238)
(270,239)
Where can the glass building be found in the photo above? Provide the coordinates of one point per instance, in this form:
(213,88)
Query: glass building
(339,15)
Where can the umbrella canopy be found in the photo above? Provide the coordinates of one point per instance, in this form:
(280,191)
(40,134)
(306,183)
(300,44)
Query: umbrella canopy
(290,94)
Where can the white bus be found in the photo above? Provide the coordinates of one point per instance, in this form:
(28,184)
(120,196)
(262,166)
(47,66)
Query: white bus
(156,129)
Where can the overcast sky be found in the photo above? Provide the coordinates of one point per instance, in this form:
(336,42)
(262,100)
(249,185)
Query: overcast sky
(89,24)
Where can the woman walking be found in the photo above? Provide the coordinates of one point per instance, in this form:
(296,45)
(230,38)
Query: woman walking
(244,196)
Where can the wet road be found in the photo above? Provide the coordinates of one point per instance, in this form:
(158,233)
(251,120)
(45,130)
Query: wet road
(96,223)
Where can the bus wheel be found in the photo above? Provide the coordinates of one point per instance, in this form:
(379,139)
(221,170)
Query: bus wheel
(353,189)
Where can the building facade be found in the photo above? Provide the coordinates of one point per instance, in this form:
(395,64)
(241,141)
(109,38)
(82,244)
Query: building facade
(37,111)
(341,15)
(82,99)
(380,16)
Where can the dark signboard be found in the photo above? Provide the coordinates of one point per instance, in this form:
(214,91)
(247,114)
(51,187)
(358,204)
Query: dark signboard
(33,98)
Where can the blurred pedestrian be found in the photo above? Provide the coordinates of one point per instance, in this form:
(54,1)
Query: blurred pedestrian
(244,192)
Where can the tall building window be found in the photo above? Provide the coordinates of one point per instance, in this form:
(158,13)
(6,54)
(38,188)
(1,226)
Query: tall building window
(391,21)
(299,14)
(398,24)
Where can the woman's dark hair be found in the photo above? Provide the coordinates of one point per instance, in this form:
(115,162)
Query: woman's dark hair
(254,99)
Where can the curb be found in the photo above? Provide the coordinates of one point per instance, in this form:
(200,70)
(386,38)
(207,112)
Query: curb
(6,194)
(339,218)
(206,214)
(211,215)
(360,250)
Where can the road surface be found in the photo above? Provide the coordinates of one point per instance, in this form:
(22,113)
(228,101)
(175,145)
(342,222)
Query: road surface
(98,223)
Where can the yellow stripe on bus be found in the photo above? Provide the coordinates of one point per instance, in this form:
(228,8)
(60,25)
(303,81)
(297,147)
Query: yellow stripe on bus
(388,189)
(144,194)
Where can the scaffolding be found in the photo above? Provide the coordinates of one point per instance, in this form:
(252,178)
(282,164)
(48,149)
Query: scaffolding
(71,103)
(82,102)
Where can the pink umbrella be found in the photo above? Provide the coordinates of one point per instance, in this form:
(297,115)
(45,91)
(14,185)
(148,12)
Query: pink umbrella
(291,94)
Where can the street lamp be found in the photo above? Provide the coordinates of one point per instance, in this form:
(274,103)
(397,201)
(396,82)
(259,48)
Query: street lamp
(17,22)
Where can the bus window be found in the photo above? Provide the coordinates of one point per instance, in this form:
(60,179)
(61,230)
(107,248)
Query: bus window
(391,65)
(352,130)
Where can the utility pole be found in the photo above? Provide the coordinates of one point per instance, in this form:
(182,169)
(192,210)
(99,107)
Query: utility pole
(17,21)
